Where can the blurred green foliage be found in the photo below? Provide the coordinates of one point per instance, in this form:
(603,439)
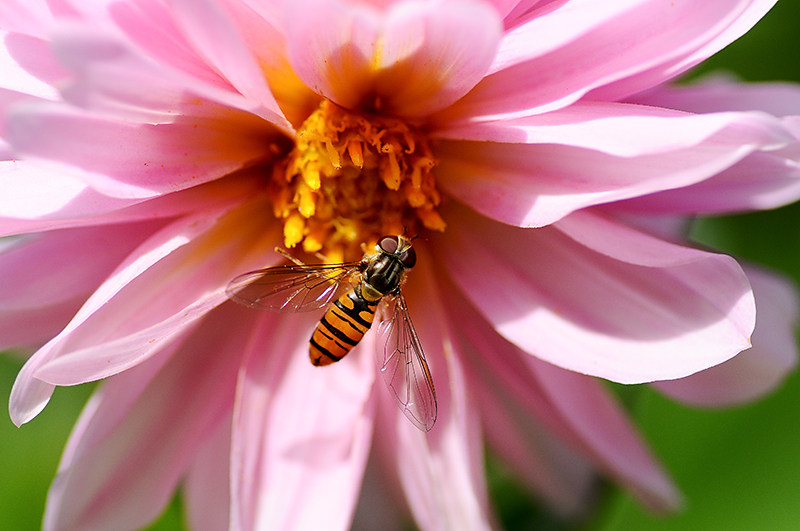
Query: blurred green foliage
(739,468)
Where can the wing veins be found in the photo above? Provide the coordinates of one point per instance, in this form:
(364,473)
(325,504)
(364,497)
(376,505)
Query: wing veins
(292,288)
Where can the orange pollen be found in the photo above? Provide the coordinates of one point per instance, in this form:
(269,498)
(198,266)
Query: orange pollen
(352,178)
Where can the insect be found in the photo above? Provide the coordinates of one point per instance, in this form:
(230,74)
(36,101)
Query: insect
(358,290)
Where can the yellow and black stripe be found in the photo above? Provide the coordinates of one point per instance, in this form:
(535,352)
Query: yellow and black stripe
(341,328)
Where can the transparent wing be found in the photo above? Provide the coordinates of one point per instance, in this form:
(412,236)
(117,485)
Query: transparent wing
(293,287)
(403,365)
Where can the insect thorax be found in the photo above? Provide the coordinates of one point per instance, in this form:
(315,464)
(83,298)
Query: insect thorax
(383,276)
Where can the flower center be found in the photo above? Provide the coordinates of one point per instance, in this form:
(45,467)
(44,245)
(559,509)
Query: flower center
(351,179)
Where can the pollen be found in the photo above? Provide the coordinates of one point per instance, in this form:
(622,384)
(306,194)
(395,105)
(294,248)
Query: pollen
(352,178)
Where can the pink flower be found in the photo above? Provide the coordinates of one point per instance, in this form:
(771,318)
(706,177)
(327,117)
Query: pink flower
(154,151)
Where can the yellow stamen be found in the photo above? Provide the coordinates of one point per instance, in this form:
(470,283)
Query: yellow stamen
(352,178)
(306,199)
(293,229)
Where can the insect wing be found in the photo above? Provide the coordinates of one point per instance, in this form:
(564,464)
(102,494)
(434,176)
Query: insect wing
(403,365)
(292,288)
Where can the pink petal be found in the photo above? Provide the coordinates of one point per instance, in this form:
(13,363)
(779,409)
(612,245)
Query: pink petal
(596,297)
(751,12)
(756,371)
(610,435)
(411,59)
(719,93)
(28,66)
(507,8)
(140,432)
(760,181)
(591,153)
(115,79)
(520,11)
(143,308)
(573,407)
(261,25)
(206,489)
(46,275)
(5,150)
(30,191)
(37,197)
(125,159)
(555,472)
(38,270)
(165,285)
(152,27)
(441,472)
(29,17)
(558,57)
(217,40)
(301,433)
(27,330)
(627,130)
(537,32)
(30,395)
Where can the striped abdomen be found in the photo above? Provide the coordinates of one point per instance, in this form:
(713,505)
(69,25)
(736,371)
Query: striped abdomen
(341,328)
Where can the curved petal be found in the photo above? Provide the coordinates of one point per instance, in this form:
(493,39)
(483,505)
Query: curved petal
(746,19)
(760,181)
(27,330)
(142,308)
(28,66)
(756,371)
(721,93)
(521,11)
(49,275)
(5,150)
(538,32)
(412,59)
(142,429)
(626,130)
(31,191)
(152,27)
(112,77)
(207,486)
(28,17)
(599,298)
(535,170)
(261,25)
(441,472)
(610,436)
(214,35)
(549,401)
(301,434)
(169,282)
(37,198)
(556,58)
(41,269)
(514,431)
(83,207)
(135,160)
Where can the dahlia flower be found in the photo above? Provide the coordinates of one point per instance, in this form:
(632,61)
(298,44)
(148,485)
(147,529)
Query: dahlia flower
(155,150)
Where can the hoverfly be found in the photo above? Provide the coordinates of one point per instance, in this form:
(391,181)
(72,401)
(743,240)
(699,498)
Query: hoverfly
(358,290)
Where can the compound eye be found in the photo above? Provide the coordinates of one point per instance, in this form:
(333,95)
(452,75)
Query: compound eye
(388,244)
(409,258)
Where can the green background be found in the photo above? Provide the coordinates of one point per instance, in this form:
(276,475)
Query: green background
(739,469)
